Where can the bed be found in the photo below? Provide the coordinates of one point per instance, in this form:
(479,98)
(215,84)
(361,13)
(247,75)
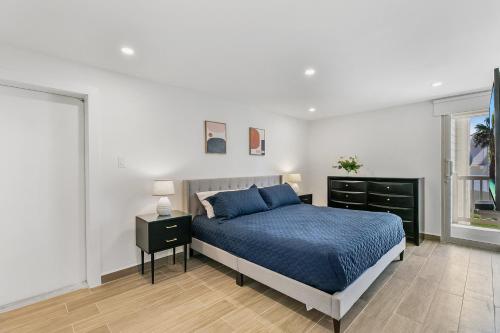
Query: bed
(323,257)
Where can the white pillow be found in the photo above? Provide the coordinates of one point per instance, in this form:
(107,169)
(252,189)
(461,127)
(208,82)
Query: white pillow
(208,207)
(202,196)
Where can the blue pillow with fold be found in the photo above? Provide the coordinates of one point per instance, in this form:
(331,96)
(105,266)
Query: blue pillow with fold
(279,195)
(228,205)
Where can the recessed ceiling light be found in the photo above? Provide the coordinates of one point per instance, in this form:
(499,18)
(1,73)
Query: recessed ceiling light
(437,84)
(310,72)
(127,50)
(312,110)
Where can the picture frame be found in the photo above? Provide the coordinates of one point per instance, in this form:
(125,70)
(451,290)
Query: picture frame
(215,137)
(257,141)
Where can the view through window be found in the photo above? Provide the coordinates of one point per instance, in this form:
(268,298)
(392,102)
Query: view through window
(473,204)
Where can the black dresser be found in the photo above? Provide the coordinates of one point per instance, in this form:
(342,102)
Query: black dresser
(401,196)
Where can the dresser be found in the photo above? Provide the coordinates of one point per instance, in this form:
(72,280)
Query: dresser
(155,233)
(400,196)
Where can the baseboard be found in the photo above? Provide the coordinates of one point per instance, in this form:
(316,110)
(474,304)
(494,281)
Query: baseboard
(159,261)
(42,297)
(122,273)
(476,244)
(432,237)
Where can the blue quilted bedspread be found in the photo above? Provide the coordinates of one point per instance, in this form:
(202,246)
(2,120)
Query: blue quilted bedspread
(327,248)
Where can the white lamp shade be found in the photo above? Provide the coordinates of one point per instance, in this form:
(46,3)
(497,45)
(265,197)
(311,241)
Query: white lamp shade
(294,178)
(163,187)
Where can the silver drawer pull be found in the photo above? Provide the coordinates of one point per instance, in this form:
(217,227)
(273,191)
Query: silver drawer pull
(388,187)
(346,206)
(171,226)
(388,211)
(171,240)
(388,199)
(346,185)
(347,195)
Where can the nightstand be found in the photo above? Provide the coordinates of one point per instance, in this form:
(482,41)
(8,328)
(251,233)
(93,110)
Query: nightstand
(306,198)
(155,233)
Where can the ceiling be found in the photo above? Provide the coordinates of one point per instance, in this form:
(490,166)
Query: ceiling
(367,54)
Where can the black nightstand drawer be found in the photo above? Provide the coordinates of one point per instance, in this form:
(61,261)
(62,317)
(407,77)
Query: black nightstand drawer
(346,196)
(306,198)
(171,227)
(391,200)
(349,185)
(159,243)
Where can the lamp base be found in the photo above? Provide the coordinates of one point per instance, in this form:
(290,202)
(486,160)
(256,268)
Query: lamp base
(164,206)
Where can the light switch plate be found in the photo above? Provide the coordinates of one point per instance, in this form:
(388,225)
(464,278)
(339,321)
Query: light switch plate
(121,163)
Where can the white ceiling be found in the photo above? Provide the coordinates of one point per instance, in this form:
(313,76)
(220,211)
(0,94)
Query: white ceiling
(367,54)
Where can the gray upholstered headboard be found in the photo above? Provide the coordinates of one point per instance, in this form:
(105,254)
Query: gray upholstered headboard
(194,206)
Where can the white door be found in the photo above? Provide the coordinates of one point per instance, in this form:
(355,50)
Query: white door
(42,208)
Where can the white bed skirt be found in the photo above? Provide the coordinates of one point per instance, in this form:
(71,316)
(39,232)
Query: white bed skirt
(335,305)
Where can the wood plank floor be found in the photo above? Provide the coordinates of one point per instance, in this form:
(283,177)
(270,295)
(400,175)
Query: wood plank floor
(437,288)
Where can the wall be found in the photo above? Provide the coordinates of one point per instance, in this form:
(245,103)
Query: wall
(397,142)
(157,130)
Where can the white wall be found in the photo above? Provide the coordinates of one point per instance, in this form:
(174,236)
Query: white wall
(158,131)
(397,142)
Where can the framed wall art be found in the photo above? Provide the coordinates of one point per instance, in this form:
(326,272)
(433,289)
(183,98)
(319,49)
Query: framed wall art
(215,137)
(257,141)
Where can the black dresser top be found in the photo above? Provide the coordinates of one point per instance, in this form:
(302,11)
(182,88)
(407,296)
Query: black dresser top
(155,217)
(375,178)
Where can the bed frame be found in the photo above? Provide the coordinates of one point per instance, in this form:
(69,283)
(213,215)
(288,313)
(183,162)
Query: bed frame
(335,306)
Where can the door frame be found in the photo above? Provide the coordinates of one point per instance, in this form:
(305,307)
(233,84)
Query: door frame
(89,96)
(446,195)
(446,192)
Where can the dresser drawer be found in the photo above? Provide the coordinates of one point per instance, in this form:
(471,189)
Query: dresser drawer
(347,205)
(168,234)
(390,188)
(356,197)
(405,213)
(392,200)
(349,185)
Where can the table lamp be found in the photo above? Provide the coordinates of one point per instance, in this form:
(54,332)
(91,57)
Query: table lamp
(293,179)
(163,188)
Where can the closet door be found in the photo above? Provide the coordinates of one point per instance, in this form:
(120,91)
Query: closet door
(42,207)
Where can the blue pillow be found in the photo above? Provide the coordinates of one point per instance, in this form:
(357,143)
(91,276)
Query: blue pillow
(279,195)
(228,205)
